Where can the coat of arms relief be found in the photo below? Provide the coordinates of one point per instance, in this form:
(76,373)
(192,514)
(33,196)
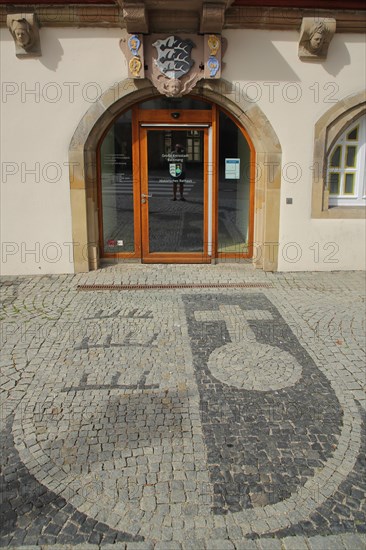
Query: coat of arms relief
(173,63)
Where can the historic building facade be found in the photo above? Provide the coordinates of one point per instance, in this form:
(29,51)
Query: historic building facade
(190,132)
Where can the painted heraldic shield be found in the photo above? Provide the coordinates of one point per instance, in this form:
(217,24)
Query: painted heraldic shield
(174,56)
(175,169)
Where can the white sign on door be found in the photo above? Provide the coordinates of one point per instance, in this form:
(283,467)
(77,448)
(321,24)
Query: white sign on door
(232,169)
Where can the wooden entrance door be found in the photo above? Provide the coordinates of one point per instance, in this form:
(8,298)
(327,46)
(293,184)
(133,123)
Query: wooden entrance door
(175,192)
(148,158)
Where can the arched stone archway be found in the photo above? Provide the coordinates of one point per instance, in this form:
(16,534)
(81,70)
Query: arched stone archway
(83,169)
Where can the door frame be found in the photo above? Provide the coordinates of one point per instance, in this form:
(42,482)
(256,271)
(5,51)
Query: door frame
(84,178)
(159,118)
(174,256)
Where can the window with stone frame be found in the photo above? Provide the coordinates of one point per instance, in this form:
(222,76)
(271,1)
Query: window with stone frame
(346,173)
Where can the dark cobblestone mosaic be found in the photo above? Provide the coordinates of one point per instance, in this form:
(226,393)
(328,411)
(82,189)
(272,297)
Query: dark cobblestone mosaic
(261,445)
(9,295)
(345,511)
(30,514)
(141,384)
(108,413)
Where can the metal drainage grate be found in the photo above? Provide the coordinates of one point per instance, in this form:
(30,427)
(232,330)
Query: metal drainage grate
(173,286)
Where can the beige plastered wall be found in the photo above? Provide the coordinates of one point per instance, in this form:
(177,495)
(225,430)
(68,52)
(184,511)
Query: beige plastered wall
(36,130)
(294,95)
(39,217)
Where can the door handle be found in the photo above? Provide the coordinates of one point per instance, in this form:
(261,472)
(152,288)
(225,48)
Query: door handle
(144,197)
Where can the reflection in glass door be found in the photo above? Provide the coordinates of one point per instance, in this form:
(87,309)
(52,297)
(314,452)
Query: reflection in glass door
(176,184)
(117,228)
(173,194)
(234,191)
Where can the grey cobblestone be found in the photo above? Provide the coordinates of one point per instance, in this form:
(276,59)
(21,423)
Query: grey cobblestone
(197,418)
(270,544)
(321,543)
(214,544)
(294,543)
(170,545)
(351,541)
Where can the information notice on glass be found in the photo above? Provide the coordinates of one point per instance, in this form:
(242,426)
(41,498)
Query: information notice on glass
(117,159)
(232,169)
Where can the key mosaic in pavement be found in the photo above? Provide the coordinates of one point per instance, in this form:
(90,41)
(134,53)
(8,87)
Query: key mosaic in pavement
(175,417)
(269,416)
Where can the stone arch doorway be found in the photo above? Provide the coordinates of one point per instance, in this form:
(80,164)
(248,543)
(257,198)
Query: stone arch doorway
(85,205)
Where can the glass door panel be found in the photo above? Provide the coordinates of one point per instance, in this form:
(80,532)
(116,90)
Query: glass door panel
(117,188)
(234,190)
(174,193)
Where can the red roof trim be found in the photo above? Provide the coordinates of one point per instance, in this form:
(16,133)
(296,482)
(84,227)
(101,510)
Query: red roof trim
(312,4)
(58,2)
(315,4)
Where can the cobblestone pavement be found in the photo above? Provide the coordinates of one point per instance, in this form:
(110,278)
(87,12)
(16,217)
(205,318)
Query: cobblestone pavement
(185,418)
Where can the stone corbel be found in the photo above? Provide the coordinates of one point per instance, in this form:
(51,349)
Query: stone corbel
(212,18)
(135,17)
(25,31)
(315,37)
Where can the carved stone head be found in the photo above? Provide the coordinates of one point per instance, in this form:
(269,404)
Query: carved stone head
(24,30)
(315,36)
(173,87)
(22,33)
